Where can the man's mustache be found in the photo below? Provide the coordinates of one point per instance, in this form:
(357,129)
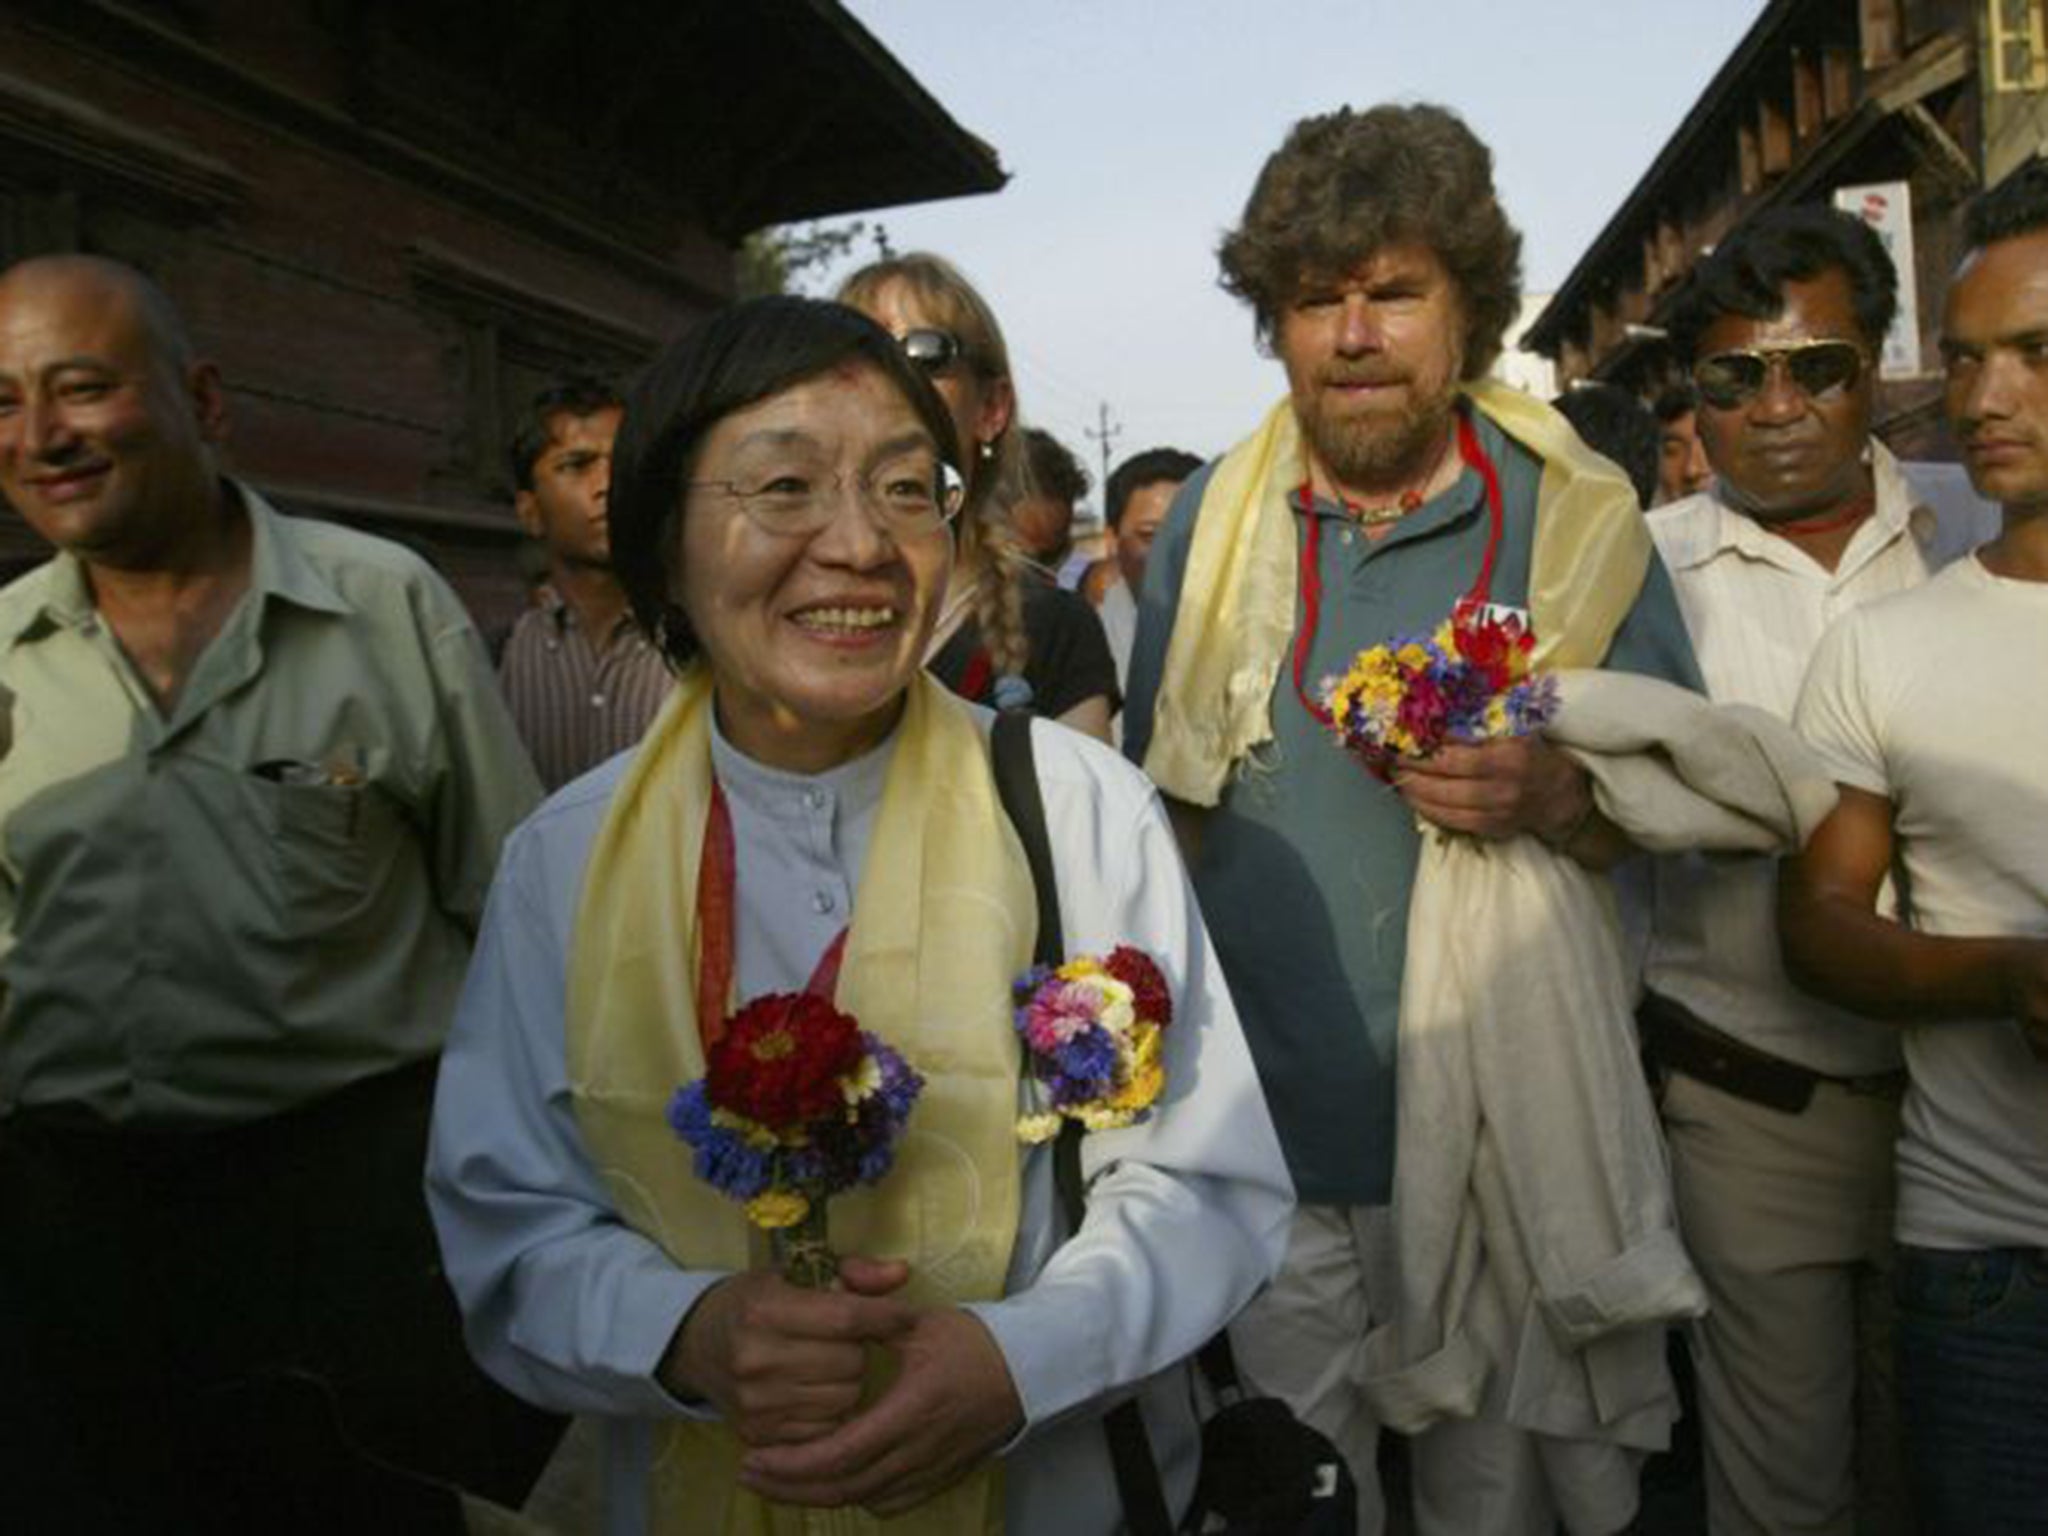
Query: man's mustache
(1375,377)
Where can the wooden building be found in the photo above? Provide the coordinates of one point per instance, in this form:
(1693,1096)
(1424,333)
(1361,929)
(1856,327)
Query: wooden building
(390,221)
(1848,101)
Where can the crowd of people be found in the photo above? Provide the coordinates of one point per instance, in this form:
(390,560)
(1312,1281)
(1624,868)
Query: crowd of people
(1713,1006)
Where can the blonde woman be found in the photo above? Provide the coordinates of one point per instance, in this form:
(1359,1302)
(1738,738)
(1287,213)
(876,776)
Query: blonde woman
(1004,639)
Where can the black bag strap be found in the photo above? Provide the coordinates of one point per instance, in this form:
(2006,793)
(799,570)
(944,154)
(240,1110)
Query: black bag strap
(1219,1365)
(1130,1449)
(1017,786)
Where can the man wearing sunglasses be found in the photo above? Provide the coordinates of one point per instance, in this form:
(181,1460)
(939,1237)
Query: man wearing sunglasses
(1780,1110)
(1932,709)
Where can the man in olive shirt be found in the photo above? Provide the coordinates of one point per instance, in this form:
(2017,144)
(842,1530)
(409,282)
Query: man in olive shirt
(258,780)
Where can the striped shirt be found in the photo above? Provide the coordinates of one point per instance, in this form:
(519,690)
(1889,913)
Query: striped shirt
(575,704)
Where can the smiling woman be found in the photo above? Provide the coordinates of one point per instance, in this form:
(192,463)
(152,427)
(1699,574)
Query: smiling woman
(813,813)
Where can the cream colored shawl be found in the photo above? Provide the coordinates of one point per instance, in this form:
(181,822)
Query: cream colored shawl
(1236,618)
(944,919)
(1537,1243)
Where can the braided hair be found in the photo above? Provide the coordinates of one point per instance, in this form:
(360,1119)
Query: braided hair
(995,469)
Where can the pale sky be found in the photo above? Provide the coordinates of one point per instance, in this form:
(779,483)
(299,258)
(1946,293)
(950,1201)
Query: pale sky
(1133,130)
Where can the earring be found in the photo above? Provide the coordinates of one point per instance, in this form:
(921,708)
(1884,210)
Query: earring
(988,451)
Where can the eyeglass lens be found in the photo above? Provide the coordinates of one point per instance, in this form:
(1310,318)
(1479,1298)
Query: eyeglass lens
(1729,379)
(911,502)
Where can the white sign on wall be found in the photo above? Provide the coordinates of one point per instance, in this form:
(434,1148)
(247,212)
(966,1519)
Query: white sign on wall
(1887,207)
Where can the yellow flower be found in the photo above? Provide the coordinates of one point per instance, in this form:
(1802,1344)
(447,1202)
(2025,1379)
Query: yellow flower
(1032,1129)
(1081,969)
(1099,1117)
(1114,1005)
(865,1079)
(777,1208)
(1143,1074)
(1372,686)
(757,1135)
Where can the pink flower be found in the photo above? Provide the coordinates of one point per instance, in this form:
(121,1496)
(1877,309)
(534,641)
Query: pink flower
(1060,1011)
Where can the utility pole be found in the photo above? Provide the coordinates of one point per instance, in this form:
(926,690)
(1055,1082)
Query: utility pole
(1102,434)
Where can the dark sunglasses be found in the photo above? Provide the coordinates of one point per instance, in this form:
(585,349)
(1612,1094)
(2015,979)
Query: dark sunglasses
(1730,379)
(932,350)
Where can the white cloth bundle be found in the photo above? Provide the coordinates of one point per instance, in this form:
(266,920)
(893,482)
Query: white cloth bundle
(1537,1246)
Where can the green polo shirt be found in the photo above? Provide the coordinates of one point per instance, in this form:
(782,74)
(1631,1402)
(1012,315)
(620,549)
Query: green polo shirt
(1306,864)
(269,894)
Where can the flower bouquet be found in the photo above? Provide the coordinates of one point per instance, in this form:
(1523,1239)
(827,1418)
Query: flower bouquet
(1092,1032)
(1469,682)
(797,1103)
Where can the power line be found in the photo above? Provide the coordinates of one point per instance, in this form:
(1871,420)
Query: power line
(1102,434)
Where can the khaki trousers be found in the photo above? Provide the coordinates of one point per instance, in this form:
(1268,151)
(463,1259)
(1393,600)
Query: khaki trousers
(1788,1219)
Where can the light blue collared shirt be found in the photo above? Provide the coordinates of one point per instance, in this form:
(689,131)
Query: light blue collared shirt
(1187,1214)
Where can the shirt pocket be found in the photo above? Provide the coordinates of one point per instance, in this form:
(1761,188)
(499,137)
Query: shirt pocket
(330,849)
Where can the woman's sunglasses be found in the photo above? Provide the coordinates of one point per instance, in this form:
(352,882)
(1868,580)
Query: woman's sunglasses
(931,349)
(1731,379)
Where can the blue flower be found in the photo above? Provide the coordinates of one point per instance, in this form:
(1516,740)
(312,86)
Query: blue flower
(1082,1069)
(689,1112)
(900,1083)
(728,1164)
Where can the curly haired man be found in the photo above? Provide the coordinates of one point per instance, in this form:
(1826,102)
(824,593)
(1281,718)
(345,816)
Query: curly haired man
(1390,484)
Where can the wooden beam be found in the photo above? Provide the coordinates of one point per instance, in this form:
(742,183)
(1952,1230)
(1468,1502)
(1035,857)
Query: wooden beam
(72,143)
(1774,137)
(1939,150)
(1837,81)
(1807,114)
(1671,266)
(1877,23)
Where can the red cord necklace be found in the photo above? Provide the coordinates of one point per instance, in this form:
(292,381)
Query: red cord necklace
(717,907)
(1829,522)
(1473,454)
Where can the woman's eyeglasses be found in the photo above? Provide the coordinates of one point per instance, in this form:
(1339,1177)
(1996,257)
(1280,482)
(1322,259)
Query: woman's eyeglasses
(932,349)
(1728,380)
(907,502)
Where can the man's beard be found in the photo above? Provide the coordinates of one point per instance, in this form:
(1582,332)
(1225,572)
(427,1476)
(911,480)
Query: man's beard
(1375,450)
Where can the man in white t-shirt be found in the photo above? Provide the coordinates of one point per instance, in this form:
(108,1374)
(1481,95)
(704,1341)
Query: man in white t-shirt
(1932,708)
(1781,1111)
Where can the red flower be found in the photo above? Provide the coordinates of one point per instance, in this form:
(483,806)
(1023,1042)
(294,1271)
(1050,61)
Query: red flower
(1134,968)
(1485,645)
(781,1060)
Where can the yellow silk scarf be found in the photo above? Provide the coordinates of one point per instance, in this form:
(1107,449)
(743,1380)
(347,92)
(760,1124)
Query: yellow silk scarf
(1235,623)
(944,919)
